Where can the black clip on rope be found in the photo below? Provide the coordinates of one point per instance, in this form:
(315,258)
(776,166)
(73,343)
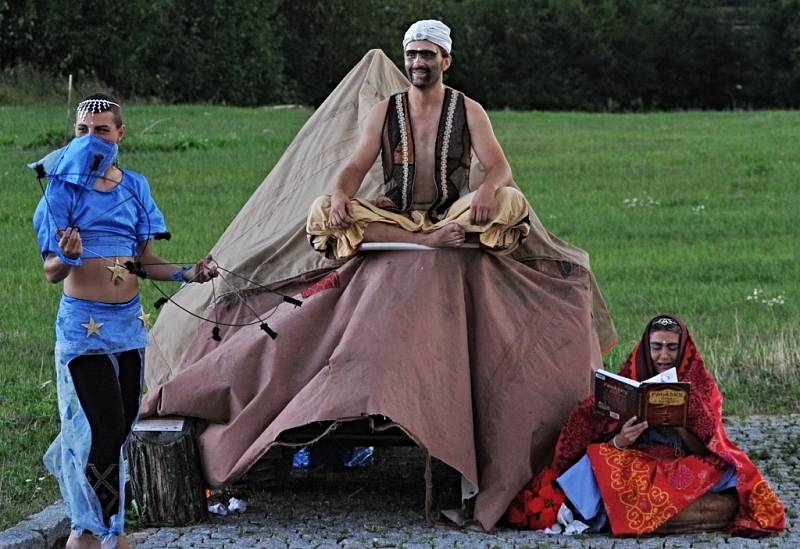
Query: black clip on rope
(270,332)
(215,331)
(293,301)
(135,268)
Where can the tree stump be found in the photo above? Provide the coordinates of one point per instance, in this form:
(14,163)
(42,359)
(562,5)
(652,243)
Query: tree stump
(166,482)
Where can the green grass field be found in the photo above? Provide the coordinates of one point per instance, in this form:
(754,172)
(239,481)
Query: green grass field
(682,212)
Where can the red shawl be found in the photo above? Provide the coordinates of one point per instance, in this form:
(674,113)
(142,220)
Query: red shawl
(642,488)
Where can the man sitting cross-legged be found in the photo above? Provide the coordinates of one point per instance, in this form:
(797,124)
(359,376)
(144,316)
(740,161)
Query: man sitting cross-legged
(425,136)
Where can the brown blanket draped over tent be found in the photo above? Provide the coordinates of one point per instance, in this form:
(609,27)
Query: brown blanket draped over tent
(402,349)
(477,357)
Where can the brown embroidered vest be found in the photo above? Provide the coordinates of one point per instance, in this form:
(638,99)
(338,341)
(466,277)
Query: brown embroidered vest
(452,158)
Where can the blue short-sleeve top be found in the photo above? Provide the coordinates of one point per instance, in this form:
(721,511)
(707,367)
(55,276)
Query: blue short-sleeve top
(111,223)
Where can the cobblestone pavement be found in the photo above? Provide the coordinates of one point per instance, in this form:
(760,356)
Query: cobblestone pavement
(382,506)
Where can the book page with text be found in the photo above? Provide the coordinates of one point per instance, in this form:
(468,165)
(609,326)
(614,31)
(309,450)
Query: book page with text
(667,376)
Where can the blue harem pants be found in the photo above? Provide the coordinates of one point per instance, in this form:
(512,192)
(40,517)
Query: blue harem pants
(94,340)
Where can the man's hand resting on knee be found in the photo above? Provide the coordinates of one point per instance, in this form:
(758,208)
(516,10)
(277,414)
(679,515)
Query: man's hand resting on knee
(341,212)
(483,205)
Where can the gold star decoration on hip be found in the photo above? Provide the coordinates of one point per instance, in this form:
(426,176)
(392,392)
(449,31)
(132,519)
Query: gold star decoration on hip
(92,327)
(118,271)
(145,318)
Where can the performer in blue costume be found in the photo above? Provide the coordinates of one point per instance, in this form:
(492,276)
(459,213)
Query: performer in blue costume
(95,217)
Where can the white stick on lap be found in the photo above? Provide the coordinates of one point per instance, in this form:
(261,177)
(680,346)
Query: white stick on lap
(399,246)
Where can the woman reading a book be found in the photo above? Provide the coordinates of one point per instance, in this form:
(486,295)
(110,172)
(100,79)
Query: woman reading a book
(634,477)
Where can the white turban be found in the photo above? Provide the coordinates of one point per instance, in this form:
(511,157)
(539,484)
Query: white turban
(430,30)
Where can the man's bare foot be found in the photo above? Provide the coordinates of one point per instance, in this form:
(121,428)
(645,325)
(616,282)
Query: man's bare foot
(84,541)
(449,236)
(122,543)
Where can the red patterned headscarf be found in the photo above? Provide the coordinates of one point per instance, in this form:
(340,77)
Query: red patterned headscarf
(642,362)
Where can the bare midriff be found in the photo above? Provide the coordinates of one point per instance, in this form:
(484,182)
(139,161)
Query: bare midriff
(93,281)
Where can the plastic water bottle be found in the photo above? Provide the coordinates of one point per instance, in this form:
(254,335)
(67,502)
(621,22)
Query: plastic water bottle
(302,458)
(360,456)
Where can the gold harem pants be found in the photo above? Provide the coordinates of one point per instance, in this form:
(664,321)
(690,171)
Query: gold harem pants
(503,233)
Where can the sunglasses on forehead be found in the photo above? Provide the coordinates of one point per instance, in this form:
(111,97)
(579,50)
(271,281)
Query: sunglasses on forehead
(426,55)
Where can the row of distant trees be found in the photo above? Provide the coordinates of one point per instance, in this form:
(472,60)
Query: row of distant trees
(520,54)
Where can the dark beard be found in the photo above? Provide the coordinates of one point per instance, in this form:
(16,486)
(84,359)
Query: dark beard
(425,78)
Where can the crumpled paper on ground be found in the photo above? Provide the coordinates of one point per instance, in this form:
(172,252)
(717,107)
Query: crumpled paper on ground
(235,505)
(566,523)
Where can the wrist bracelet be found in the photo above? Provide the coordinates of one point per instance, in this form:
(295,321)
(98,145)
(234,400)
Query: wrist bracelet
(68,260)
(177,276)
(614,442)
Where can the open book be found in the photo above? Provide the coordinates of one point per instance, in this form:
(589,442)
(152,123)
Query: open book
(661,400)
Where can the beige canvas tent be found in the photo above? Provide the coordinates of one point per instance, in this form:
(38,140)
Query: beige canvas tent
(266,242)
(478,358)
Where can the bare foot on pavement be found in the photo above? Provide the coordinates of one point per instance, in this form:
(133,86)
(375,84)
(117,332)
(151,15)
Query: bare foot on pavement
(84,541)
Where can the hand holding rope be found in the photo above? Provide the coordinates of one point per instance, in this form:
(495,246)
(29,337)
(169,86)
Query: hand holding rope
(203,270)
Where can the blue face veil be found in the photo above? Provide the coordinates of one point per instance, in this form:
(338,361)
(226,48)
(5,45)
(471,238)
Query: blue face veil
(80,164)
(84,160)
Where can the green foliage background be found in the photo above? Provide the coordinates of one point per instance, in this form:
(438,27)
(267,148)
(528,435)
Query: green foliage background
(593,55)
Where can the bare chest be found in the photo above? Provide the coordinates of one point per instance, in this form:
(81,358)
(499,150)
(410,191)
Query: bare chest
(425,126)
